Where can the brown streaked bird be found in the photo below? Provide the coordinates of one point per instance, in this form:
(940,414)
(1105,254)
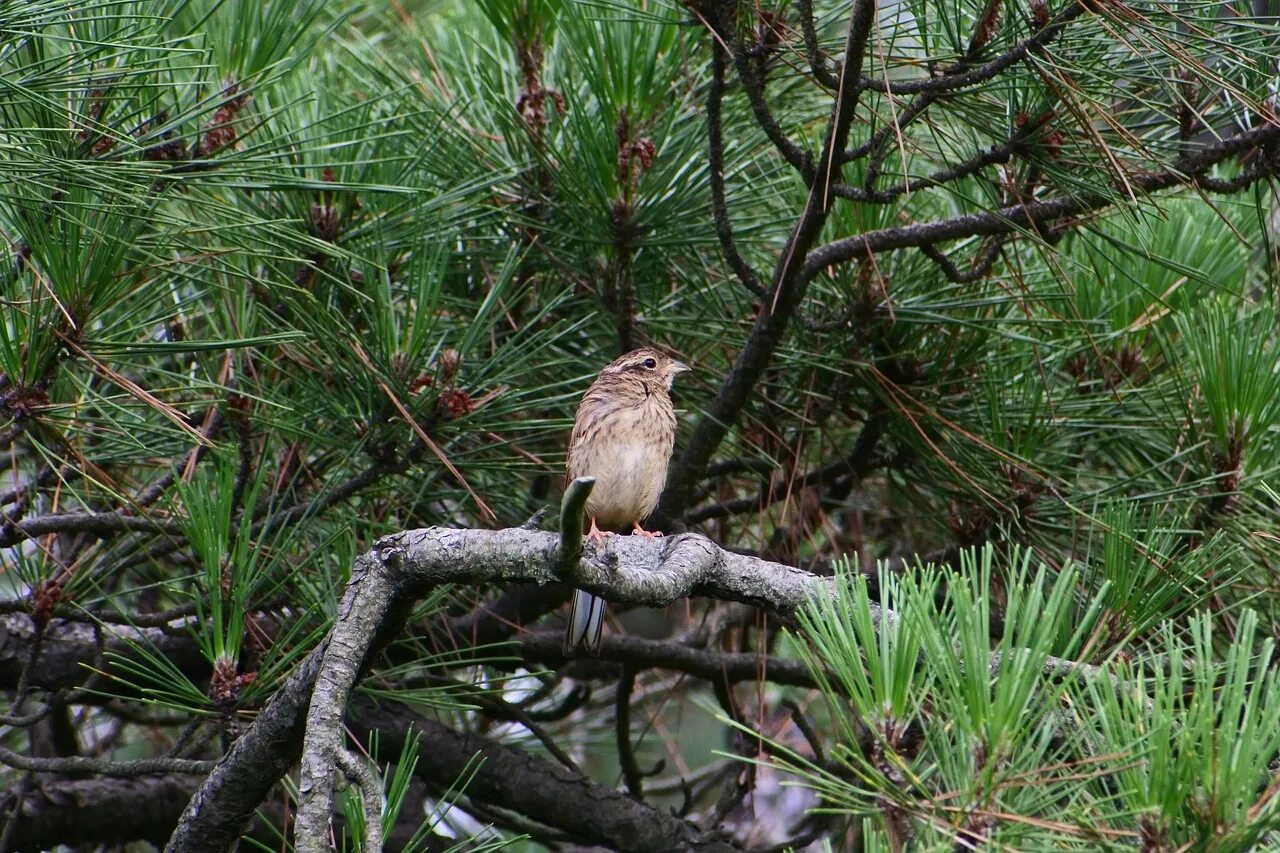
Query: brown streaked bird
(623,435)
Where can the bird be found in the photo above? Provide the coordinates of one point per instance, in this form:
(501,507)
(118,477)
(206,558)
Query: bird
(623,435)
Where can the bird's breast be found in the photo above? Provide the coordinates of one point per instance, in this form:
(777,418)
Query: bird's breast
(626,450)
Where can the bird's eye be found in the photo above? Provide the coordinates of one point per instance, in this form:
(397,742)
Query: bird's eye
(650,363)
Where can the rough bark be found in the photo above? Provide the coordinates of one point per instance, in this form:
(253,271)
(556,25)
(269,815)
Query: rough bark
(67,650)
(224,804)
(98,811)
(407,565)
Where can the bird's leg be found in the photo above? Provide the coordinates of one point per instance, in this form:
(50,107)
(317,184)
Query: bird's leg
(595,534)
(647,534)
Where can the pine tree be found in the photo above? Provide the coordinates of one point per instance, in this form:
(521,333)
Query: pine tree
(979,300)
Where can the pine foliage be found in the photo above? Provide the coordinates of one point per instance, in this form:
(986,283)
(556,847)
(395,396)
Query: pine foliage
(278,278)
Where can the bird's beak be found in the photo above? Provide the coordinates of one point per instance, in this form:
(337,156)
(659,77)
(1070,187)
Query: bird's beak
(678,367)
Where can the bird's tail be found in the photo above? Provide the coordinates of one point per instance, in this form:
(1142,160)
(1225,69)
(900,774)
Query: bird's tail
(586,619)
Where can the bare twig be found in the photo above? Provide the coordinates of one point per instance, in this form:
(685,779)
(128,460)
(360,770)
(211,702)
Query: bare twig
(492,703)
(1001,153)
(622,723)
(149,495)
(980,267)
(97,523)
(82,766)
(859,462)
(641,653)
(806,728)
(878,146)
(753,84)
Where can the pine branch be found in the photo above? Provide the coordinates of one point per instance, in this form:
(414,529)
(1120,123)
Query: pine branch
(787,289)
(1037,216)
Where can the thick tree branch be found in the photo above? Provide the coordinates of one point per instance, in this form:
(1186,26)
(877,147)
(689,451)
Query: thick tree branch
(98,811)
(626,569)
(68,649)
(369,596)
(218,813)
(406,565)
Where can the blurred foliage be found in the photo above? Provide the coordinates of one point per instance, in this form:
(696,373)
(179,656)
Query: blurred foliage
(279,277)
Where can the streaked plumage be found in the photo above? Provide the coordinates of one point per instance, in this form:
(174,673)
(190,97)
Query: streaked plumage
(623,436)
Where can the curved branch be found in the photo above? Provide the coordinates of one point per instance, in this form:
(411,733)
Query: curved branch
(753,83)
(631,773)
(952,81)
(1001,153)
(817,62)
(1031,217)
(979,269)
(878,146)
(859,461)
(369,596)
(405,565)
(359,775)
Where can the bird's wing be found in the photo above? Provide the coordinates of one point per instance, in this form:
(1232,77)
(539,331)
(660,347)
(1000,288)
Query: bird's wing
(592,408)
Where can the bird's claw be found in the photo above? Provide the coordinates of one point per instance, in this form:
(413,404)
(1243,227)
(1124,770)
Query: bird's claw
(596,535)
(647,534)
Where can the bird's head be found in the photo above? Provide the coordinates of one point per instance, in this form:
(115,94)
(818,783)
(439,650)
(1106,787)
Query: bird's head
(648,366)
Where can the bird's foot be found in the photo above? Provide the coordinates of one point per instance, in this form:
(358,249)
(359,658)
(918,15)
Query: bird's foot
(647,534)
(596,535)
